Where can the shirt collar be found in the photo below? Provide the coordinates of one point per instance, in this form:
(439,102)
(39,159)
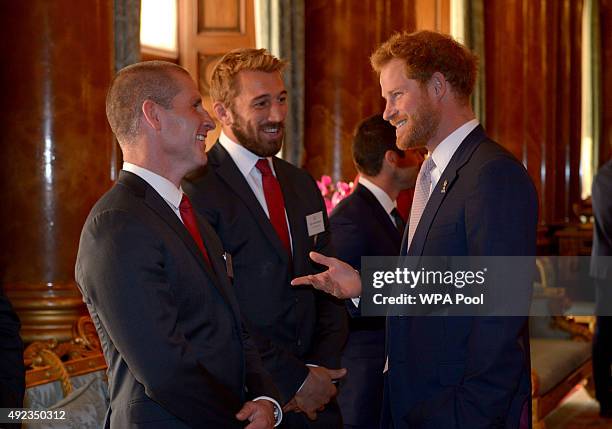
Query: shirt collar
(382,197)
(443,153)
(162,186)
(244,159)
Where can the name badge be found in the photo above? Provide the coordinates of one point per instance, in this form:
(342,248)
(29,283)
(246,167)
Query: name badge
(229,268)
(314,223)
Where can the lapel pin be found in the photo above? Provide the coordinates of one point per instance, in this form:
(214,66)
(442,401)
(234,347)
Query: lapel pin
(443,190)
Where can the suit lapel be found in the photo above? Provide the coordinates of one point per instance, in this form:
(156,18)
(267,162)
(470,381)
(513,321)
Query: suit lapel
(215,253)
(227,170)
(443,187)
(379,213)
(157,204)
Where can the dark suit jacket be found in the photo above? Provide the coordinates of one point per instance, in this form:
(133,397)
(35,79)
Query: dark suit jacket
(467,372)
(170,326)
(361,227)
(602,232)
(12,371)
(292,325)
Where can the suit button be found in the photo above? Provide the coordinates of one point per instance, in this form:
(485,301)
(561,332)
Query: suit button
(299,342)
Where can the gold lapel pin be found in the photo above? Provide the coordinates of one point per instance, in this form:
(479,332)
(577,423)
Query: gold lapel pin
(443,190)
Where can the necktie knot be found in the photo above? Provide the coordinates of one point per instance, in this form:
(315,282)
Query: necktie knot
(264,167)
(185,204)
(427,166)
(400,224)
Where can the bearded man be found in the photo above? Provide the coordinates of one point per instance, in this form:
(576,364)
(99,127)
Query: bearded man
(269,216)
(472,198)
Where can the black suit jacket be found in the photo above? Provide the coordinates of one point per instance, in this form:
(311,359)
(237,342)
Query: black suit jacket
(361,227)
(169,324)
(12,371)
(291,325)
(602,231)
(467,372)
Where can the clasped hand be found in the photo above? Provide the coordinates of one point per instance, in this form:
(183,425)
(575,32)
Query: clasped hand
(260,414)
(317,391)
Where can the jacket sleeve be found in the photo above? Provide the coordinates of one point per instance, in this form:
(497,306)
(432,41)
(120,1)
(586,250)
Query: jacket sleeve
(287,371)
(601,260)
(331,329)
(501,219)
(350,245)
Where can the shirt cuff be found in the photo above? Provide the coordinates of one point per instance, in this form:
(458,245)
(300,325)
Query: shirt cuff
(278,411)
(304,382)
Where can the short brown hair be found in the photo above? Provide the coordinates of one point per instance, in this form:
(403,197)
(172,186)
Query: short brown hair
(223,82)
(149,80)
(373,138)
(427,52)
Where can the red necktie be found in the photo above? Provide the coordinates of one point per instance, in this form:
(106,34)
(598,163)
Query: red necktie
(191,224)
(275,202)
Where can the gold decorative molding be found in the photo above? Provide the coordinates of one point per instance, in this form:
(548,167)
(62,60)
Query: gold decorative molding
(51,360)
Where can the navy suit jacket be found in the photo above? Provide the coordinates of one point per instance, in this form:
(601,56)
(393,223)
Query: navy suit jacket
(169,323)
(12,371)
(466,372)
(361,227)
(602,232)
(292,326)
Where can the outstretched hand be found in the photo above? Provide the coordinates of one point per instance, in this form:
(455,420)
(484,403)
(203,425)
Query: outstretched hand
(339,280)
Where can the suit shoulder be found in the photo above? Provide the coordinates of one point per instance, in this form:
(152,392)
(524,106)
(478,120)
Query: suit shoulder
(297,173)
(200,178)
(352,207)
(117,198)
(603,178)
(490,157)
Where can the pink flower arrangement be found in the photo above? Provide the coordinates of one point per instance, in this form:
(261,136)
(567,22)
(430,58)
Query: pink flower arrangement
(333,194)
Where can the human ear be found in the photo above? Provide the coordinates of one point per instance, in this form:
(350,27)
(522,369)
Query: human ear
(223,113)
(391,157)
(438,84)
(151,114)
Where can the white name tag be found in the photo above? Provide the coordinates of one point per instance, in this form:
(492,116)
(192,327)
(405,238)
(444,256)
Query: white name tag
(314,223)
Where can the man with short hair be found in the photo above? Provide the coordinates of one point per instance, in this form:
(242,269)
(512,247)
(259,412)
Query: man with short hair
(153,276)
(269,215)
(368,223)
(601,270)
(472,198)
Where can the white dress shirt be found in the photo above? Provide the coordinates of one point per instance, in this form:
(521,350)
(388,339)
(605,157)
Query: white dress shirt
(165,188)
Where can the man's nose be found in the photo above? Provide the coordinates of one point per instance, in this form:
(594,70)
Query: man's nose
(209,124)
(389,112)
(278,112)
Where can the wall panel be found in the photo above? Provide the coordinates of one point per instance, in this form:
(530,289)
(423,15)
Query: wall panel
(341,88)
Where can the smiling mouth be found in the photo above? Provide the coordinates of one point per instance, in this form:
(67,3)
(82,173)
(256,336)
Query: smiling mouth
(201,137)
(400,124)
(271,130)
